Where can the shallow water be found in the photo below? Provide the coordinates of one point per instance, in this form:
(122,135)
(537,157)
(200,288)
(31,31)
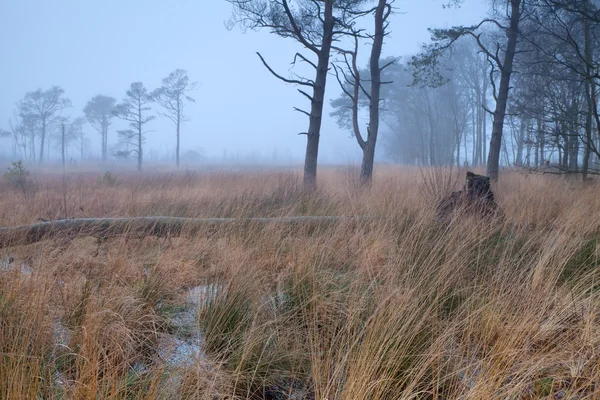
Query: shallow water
(8,264)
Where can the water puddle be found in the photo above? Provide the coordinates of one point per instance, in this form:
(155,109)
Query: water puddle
(184,346)
(10,264)
(178,349)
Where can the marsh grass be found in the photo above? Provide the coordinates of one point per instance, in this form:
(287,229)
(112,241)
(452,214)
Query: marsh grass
(396,307)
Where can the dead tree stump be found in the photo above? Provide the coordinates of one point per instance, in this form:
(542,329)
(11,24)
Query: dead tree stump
(476,198)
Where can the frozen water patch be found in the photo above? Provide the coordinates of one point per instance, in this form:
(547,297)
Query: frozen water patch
(62,337)
(177,352)
(184,346)
(199,295)
(8,264)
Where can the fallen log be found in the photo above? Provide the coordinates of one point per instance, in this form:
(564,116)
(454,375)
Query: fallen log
(150,226)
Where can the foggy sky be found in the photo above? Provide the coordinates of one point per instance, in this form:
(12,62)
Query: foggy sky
(99,47)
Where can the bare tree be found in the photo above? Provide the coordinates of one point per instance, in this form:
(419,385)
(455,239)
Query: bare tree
(68,133)
(80,138)
(4,133)
(99,112)
(133,109)
(24,128)
(172,96)
(352,76)
(315,25)
(44,105)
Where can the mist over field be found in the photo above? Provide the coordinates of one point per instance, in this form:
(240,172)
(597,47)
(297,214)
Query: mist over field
(299,199)
(241,110)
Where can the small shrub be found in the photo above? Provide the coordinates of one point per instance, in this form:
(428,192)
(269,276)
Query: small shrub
(108,179)
(17,177)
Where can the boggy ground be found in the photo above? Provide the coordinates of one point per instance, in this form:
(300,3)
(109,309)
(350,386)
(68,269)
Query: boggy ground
(395,307)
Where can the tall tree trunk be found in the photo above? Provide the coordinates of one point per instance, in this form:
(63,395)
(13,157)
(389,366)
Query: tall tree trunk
(484,119)
(493,164)
(366,169)
(43,140)
(316,104)
(588,94)
(140,150)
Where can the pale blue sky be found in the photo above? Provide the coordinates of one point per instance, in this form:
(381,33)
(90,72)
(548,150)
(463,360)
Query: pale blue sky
(91,47)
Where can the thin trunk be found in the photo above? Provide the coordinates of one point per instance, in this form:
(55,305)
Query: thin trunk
(537,138)
(505,149)
(316,106)
(63,143)
(106,143)
(177,147)
(458,151)
(493,164)
(573,137)
(565,147)
(32,151)
(528,144)
(466,150)
(520,140)
(484,119)
(542,143)
(104,140)
(588,133)
(422,141)
(140,154)
(480,118)
(474,124)
(432,136)
(43,140)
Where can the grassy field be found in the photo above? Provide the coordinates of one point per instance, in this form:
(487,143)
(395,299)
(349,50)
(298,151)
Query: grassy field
(396,307)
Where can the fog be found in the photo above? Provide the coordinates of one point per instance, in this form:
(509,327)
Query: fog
(91,48)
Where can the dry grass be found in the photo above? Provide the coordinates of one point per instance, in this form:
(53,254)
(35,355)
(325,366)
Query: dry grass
(394,308)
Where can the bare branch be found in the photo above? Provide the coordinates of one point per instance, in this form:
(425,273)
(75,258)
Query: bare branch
(306,60)
(302,111)
(294,81)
